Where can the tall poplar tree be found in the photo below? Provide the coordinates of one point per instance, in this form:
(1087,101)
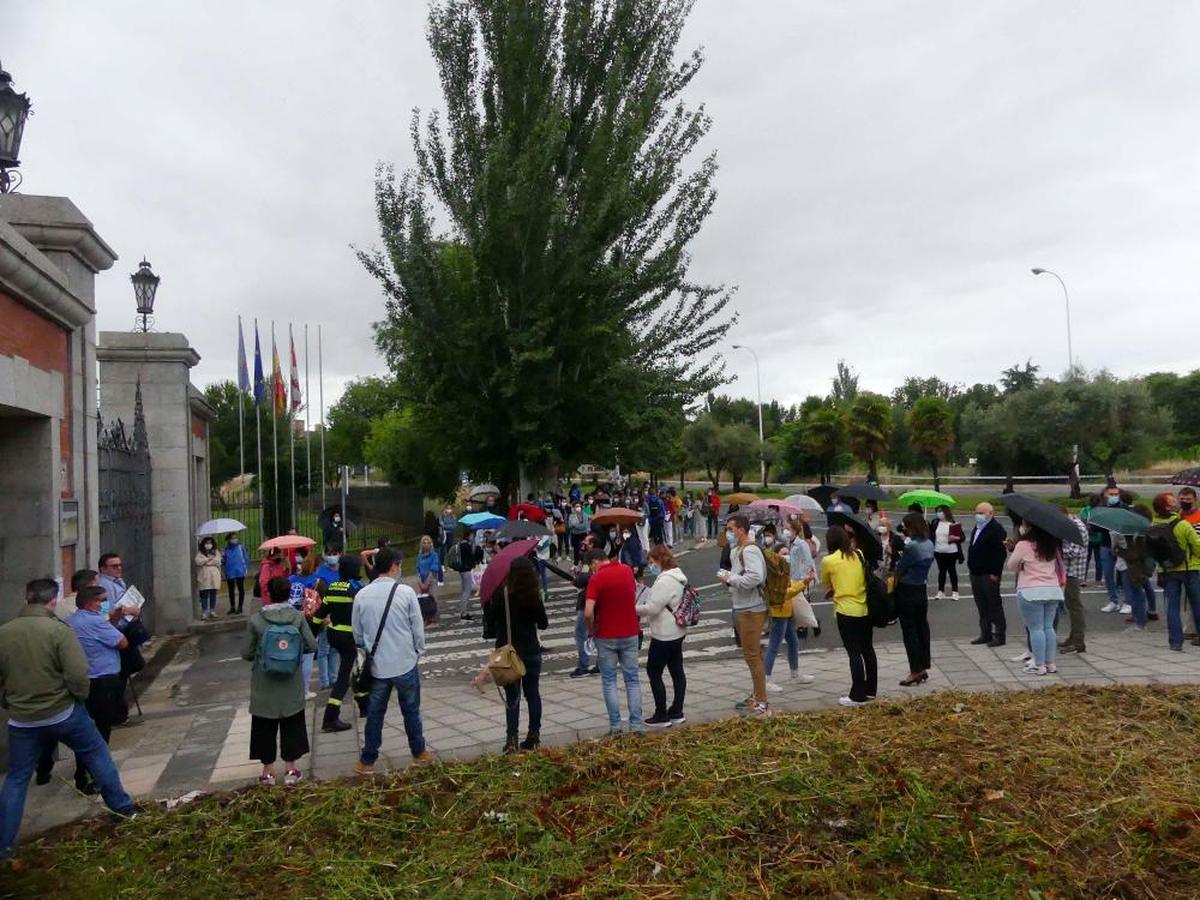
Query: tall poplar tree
(556,299)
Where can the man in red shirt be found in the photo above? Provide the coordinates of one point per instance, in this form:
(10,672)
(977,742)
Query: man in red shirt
(612,620)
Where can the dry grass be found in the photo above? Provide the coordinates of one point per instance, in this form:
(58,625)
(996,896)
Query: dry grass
(1062,792)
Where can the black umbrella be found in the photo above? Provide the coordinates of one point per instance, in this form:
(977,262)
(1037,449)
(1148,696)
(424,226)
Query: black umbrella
(865,535)
(521,529)
(864,490)
(1045,516)
(822,492)
(1187,476)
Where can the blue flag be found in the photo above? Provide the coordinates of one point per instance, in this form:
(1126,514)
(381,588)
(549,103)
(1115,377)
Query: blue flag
(243,374)
(260,386)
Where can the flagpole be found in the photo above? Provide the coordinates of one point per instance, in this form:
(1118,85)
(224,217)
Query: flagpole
(258,432)
(241,409)
(292,421)
(274,423)
(307,423)
(321,392)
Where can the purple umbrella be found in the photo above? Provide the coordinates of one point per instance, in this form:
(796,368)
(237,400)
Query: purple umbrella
(497,569)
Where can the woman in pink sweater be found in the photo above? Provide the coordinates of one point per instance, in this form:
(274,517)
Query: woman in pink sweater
(1037,560)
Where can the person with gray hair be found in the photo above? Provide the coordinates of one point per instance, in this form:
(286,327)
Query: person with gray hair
(44,684)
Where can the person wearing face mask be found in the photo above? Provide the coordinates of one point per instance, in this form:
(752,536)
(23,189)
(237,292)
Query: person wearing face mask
(630,551)
(986,553)
(235,562)
(208,576)
(1108,559)
(657,608)
(781,628)
(446,525)
(947,550)
(912,597)
(578,526)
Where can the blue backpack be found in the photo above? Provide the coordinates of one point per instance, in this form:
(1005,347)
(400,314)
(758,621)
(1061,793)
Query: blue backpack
(281,649)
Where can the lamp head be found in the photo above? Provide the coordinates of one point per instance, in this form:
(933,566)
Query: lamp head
(1038,271)
(736,346)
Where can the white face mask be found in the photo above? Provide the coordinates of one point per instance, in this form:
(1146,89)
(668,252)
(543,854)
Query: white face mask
(625,535)
(788,534)
(768,541)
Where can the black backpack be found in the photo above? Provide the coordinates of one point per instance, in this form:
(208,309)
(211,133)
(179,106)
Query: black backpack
(881,606)
(1164,545)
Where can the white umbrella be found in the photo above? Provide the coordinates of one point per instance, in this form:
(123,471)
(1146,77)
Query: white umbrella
(805,502)
(483,491)
(219,526)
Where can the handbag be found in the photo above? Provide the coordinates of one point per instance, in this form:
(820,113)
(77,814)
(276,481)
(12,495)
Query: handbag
(363,678)
(802,612)
(504,663)
(881,605)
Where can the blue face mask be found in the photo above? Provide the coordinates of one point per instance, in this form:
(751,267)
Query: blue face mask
(331,561)
(730,537)
(654,569)
(1114,499)
(980,519)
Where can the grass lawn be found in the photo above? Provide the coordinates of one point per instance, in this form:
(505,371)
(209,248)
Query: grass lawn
(1060,792)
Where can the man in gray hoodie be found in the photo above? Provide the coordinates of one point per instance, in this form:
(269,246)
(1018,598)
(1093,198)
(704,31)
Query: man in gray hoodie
(746,582)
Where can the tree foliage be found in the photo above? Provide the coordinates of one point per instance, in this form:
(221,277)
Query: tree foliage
(869,423)
(844,387)
(364,400)
(931,430)
(406,446)
(558,294)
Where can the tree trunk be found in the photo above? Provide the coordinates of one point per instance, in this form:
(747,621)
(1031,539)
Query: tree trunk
(737,483)
(937,480)
(682,473)
(872,475)
(1009,488)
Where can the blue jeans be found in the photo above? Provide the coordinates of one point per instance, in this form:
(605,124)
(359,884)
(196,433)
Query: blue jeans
(1137,595)
(408,692)
(327,660)
(623,653)
(1108,564)
(25,747)
(581,634)
(1040,616)
(529,686)
(1174,586)
(781,629)
(306,667)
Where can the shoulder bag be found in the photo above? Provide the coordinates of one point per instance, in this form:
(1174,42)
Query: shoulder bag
(505,663)
(363,678)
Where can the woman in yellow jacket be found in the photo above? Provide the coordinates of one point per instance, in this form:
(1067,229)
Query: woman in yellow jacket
(842,574)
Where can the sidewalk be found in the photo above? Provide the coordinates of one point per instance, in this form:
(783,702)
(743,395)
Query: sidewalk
(176,750)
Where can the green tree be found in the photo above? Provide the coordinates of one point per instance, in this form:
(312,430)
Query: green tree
(869,424)
(1018,378)
(411,450)
(1118,423)
(705,446)
(931,431)
(742,449)
(844,386)
(915,387)
(559,293)
(364,400)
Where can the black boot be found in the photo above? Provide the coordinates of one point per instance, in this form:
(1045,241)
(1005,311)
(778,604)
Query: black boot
(331,722)
(532,740)
(510,743)
(997,639)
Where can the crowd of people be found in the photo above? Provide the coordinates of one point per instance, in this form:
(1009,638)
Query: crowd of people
(352,619)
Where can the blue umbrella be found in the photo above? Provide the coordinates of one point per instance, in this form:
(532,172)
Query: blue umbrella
(482,520)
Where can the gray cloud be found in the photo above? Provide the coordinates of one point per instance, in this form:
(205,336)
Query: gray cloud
(889,173)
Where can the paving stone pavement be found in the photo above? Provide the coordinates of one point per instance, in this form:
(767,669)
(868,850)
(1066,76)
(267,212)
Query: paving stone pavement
(176,750)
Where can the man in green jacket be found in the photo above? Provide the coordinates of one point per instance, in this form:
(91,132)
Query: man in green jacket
(43,685)
(1182,577)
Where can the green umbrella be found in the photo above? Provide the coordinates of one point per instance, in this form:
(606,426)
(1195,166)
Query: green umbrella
(926,498)
(1122,521)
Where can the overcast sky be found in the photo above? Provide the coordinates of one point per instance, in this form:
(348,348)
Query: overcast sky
(889,173)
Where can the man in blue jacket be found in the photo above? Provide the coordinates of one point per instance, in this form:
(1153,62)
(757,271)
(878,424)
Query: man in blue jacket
(658,514)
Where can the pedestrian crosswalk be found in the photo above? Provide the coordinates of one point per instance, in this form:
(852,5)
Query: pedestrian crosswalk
(456,647)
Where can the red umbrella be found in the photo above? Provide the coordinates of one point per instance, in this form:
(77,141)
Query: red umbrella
(533,512)
(497,569)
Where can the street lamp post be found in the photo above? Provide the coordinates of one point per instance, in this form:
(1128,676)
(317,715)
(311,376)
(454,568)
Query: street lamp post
(145,286)
(14,110)
(762,460)
(1067,299)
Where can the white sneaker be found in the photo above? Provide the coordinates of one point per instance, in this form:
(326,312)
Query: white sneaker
(954,595)
(1109,607)
(310,695)
(1125,609)
(1031,669)
(939,596)
(803,679)
(293,777)
(1135,627)
(774,688)
(1024,657)
(846,701)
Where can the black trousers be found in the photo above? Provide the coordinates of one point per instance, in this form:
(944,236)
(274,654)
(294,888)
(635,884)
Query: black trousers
(343,643)
(272,738)
(947,564)
(912,608)
(666,655)
(858,636)
(106,705)
(240,585)
(990,605)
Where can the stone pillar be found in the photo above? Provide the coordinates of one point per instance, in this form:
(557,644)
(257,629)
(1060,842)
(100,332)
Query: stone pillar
(160,364)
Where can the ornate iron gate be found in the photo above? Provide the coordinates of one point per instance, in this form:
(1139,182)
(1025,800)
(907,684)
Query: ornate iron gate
(125,523)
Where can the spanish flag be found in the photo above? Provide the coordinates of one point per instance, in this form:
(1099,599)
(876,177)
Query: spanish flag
(278,390)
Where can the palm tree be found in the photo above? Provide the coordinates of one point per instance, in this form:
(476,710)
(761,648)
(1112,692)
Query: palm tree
(870,427)
(931,431)
(824,438)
